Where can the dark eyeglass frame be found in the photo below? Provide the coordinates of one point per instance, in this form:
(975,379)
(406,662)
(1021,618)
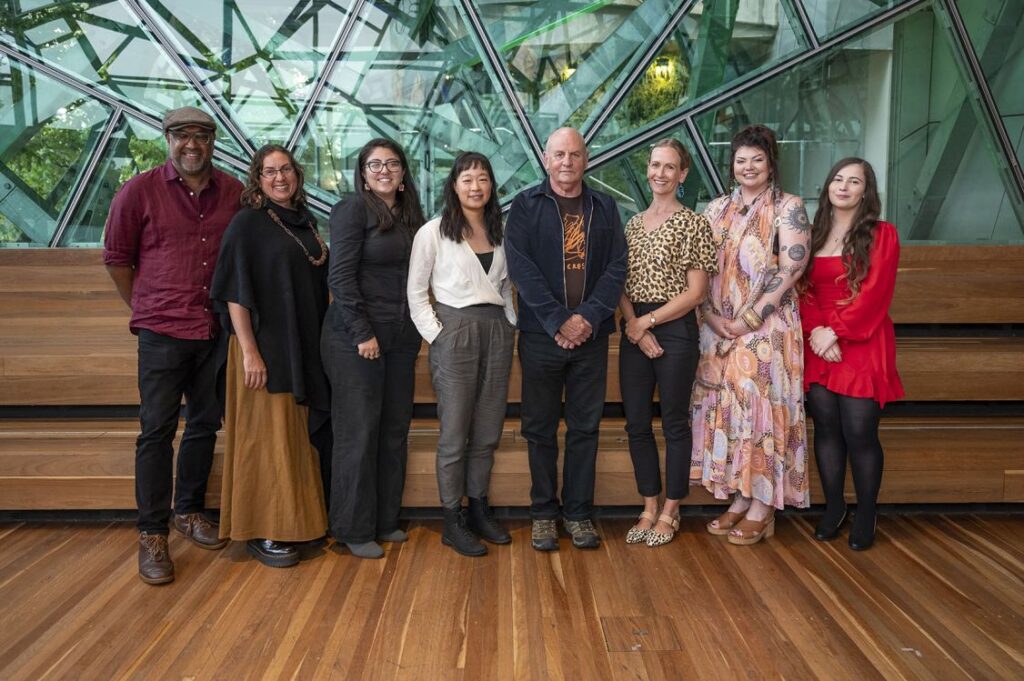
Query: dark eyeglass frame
(392,164)
(182,137)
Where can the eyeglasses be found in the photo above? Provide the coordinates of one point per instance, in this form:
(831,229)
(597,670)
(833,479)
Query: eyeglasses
(181,137)
(376,166)
(285,171)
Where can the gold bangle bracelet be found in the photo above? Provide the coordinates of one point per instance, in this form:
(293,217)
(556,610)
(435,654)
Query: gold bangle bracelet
(752,319)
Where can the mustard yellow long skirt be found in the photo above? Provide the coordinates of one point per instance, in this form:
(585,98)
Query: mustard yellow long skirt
(271,487)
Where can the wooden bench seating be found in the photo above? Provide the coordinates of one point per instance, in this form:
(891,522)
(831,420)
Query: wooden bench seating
(88,464)
(64,342)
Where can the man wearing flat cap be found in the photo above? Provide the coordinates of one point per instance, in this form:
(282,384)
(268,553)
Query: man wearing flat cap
(160,247)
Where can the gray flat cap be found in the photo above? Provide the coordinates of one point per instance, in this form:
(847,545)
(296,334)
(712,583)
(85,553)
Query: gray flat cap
(188,115)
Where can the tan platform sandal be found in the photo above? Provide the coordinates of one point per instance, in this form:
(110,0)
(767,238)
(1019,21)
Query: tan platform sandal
(749,532)
(638,535)
(655,538)
(726,522)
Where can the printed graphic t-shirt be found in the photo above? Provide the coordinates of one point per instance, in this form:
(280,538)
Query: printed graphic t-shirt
(574,252)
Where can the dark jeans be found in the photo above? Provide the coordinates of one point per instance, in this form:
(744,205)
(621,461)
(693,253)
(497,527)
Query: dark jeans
(168,369)
(371,406)
(582,372)
(673,374)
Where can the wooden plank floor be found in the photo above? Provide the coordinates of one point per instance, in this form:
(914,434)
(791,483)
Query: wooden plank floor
(939,597)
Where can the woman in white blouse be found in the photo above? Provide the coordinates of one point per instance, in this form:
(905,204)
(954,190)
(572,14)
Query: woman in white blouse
(471,329)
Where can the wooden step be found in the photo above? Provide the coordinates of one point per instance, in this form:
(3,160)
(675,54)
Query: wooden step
(88,464)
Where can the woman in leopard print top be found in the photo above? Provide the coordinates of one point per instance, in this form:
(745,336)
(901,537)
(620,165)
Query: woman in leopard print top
(671,254)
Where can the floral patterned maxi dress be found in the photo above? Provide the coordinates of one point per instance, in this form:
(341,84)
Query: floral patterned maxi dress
(749,430)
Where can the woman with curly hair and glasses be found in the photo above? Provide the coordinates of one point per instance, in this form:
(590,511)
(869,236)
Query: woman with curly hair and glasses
(271,288)
(369,347)
(850,347)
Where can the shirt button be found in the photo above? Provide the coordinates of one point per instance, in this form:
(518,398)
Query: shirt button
(204,264)
(201,215)
(204,238)
(191,194)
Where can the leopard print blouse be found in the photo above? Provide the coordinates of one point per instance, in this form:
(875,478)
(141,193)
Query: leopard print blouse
(658,261)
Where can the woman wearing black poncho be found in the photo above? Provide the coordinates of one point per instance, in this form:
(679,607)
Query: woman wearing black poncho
(272,284)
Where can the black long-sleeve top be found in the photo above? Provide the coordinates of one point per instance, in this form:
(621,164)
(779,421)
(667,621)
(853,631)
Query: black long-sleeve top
(368,270)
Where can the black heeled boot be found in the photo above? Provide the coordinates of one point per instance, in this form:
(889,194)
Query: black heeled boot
(862,533)
(481,521)
(458,536)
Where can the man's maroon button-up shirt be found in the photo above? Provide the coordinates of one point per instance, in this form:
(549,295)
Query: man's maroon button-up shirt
(171,236)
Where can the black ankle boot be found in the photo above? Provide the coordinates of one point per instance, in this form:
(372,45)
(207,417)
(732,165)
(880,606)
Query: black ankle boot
(482,522)
(458,536)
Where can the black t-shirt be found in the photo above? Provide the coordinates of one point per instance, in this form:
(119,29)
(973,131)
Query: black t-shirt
(574,248)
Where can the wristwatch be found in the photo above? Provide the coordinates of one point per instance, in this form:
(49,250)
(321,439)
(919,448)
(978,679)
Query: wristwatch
(653,321)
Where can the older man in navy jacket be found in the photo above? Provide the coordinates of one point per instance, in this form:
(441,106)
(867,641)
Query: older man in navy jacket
(566,255)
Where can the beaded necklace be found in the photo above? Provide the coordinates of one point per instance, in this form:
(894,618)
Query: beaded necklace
(315,262)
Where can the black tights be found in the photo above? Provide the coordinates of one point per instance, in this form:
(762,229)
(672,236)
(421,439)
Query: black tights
(847,424)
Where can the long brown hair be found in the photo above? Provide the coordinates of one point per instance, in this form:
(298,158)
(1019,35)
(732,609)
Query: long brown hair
(252,195)
(857,243)
(407,210)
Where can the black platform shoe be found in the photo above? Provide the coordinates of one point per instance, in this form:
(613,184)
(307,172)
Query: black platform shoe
(272,553)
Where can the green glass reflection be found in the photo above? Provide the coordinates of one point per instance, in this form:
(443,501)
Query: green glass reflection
(415,78)
(47,132)
(716,44)
(260,57)
(132,149)
(996,29)
(566,58)
(896,98)
(829,17)
(625,179)
(104,44)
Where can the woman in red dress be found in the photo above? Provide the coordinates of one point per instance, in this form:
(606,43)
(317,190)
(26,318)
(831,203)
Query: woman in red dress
(850,351)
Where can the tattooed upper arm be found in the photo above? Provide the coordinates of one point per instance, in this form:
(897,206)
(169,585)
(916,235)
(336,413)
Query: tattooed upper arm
(795,215)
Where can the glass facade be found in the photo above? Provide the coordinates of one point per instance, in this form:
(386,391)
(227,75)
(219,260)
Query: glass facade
(927,90)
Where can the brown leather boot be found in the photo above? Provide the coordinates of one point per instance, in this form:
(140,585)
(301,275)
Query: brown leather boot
(155,566)
(201,531)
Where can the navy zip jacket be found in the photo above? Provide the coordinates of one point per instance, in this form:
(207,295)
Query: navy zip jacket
(534,247)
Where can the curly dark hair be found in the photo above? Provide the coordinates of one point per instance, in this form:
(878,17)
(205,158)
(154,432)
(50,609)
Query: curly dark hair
(677,146)
(763,138)
(407,210)
(252,195)
(454,225)
(858,241)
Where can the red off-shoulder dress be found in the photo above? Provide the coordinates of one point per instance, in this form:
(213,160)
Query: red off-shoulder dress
(866,337)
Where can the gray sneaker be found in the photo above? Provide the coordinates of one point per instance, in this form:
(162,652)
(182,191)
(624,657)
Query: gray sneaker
(544,535)
(584,536)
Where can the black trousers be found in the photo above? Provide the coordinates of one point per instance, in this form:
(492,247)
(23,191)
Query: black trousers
(371,407)
(673,375)
(582,373)
(170,368)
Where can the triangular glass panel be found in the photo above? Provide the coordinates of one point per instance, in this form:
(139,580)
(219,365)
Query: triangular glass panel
(897,98)
(829,17)
(47,133)
(418,79)
(103,44)
(566,59)
(260,58)
(718,43)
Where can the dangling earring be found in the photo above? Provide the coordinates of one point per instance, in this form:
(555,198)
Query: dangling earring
(366,186)
(401,187)
(680,192)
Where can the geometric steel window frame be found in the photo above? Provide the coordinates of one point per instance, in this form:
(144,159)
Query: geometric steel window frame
(684,119)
